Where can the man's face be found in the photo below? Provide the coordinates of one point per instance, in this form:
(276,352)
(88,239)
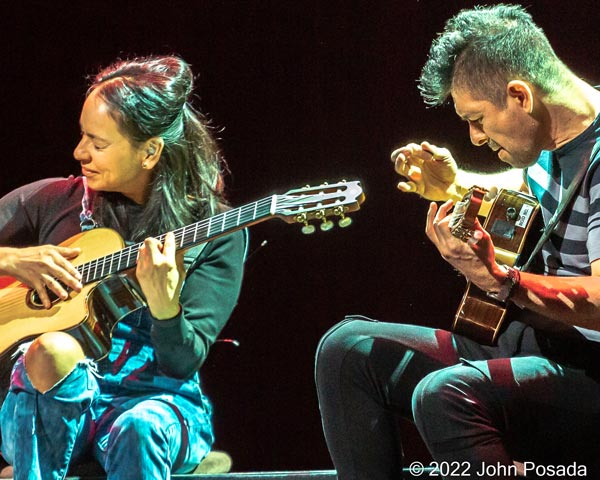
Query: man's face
(509,130)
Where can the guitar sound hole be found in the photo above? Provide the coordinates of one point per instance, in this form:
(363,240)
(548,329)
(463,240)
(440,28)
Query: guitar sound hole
(35,301)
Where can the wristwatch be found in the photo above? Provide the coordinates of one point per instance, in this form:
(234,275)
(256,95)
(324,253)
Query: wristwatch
(508,288)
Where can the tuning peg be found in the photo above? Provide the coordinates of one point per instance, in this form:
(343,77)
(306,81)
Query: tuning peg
(491,194)
(345,222)
(326,225)
(307,229)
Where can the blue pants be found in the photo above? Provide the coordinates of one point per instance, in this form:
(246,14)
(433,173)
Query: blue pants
(142,436)
(471,404)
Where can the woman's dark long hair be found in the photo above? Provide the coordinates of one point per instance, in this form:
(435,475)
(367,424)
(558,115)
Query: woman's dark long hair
(151,97)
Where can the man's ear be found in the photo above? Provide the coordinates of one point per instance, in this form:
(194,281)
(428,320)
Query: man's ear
(522,93)
(151,151)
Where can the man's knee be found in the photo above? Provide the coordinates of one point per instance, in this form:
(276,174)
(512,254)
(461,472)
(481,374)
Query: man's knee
(445,392)
(339,348)
(336,340)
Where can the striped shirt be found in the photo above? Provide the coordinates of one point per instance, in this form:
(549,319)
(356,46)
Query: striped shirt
(575,242)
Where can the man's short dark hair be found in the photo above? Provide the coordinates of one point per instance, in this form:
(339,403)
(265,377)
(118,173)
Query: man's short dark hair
(482,49)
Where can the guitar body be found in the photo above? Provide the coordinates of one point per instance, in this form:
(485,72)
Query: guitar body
(89,315)
(511,218)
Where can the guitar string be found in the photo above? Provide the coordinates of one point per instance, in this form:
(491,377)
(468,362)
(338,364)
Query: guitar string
(89,270)
(95,269)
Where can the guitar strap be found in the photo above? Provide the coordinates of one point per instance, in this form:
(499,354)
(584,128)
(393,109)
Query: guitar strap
(86,221)
(566,199)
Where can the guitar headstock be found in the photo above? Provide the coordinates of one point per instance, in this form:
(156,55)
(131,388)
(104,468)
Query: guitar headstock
(322,202)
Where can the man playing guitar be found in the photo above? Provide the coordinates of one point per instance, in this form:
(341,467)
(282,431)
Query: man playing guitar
(535,394)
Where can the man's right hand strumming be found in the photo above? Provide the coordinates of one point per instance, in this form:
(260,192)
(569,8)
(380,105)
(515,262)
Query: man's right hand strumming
(427,170)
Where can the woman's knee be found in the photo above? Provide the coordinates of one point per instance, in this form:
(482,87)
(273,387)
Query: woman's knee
(135,427)
(50,358)
(150,435)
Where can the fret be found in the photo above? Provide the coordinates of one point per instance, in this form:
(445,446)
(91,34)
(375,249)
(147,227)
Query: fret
(115,262)
(106,267)
(96,269)
(100,267)
(229,221)
(182,243)
(129,263)
(84,274)
(242,214)
(110,265)
(201,229)
(119,257)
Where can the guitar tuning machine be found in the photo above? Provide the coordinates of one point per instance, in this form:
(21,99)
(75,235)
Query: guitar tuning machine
(327,224)
(490,194)
(344,221)
(307,229)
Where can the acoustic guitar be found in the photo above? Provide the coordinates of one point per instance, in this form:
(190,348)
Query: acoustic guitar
(509,220)
(108,294)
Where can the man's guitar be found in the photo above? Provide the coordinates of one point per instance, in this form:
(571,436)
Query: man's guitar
(106,297)
(511,217)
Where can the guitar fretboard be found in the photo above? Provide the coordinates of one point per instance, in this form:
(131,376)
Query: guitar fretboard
(188,236)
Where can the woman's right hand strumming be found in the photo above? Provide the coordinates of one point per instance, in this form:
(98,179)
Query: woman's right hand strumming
(43,268)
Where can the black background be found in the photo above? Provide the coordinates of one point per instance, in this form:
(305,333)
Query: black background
(302,92)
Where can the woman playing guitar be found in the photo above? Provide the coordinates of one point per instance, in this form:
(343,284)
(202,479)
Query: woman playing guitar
(148,165)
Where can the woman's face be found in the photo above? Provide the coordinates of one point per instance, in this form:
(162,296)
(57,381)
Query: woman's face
(109,160)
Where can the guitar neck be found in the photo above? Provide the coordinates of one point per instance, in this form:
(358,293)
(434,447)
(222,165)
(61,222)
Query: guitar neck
(186,237)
